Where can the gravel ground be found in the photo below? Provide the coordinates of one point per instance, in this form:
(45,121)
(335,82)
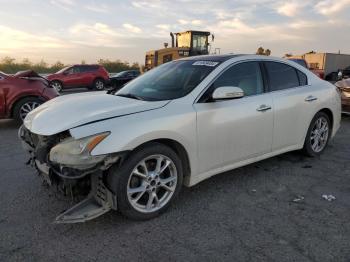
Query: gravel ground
(243,215)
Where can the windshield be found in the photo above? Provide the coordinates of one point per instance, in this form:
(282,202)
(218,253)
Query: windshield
(62,70)
(168,81)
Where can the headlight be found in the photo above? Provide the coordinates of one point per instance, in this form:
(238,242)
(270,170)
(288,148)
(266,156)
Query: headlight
(77,153)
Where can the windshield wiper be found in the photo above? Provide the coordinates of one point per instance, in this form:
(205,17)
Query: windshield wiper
(131,96)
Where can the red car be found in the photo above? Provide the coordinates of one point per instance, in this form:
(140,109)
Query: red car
(23,92)
(91,76)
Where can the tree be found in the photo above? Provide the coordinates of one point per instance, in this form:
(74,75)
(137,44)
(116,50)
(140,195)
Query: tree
(26,63)
(10,66)
(57,66)
(262,51)
(8,60)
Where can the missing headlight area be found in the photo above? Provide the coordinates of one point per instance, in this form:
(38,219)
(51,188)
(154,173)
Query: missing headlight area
(80,175)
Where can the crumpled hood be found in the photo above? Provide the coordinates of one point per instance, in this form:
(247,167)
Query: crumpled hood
(68,111)
(26,73)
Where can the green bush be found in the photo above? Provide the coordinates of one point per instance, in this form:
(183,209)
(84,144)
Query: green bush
(9,65)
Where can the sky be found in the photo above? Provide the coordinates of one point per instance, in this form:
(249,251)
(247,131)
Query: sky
(74,30)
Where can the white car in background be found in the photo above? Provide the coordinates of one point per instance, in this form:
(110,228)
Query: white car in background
(178,124)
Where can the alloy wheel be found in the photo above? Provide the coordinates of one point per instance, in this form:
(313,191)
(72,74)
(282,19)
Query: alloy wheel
(56,85)
(26,108)
(152,183)
(319,134)
(99,85)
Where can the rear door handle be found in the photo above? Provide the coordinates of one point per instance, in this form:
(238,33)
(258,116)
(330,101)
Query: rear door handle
(263,108)
(310,98)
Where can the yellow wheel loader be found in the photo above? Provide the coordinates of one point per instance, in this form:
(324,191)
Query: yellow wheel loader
(189,43)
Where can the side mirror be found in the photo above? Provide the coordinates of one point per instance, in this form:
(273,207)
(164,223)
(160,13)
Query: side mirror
(227,92)
(340,75)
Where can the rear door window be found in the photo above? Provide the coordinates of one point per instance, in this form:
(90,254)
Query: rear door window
(93,68)
(87,68)
(281,76)
(76,70)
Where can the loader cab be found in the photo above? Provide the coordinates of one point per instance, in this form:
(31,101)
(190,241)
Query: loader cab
(195,41)
(189,43)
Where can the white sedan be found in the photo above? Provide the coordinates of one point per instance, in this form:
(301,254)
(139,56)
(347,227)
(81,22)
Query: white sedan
(177,124)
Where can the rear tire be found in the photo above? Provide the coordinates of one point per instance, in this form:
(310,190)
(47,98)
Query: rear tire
(24,106)
(141,189)
(317,136)
(99,84)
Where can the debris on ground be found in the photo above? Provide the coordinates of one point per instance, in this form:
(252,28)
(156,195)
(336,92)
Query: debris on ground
(307,166)
(271,168)
(298,199)
(328,197)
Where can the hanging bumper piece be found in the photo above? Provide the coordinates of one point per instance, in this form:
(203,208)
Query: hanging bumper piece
(98,202)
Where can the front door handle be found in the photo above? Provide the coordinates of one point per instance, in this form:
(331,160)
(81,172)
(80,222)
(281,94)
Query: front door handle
(310,98)
(263,108)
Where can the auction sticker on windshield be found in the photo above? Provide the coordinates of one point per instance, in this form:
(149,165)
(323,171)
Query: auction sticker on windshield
(205,63)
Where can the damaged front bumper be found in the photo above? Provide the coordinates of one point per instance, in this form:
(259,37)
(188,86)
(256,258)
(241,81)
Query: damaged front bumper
(99,201)
(72,181)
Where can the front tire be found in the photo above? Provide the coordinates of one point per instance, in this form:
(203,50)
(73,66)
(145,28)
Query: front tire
(317,135)
(147,182)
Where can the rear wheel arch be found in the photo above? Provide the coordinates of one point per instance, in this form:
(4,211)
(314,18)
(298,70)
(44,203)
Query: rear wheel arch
(329,113)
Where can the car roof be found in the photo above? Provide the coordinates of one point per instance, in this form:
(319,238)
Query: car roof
(216,58)
(296,59)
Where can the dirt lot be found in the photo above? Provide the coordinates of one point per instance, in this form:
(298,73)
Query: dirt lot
(244,215)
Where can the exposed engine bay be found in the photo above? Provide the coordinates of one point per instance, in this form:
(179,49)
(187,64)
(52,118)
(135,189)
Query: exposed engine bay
(71,179)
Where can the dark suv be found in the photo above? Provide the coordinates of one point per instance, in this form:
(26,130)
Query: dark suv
(91,76)
(345,73)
